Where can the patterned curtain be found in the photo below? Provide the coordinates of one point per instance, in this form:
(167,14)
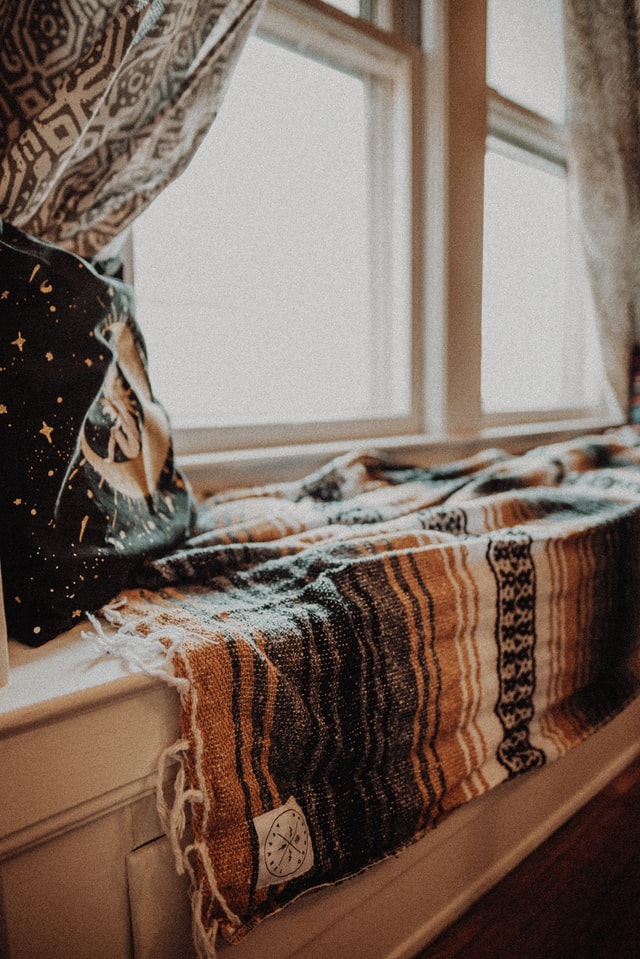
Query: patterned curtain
(603,77)
(103,103)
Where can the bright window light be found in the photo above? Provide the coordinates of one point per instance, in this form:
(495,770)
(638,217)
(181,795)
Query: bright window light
(525,59)
(348,6)
(536,355)
(254,270)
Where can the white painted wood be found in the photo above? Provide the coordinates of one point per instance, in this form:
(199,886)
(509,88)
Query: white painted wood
(467,129)
(62,676)
(160,907)
(67,899)
(514,124)
(245,468)
(431,136)
(78,737)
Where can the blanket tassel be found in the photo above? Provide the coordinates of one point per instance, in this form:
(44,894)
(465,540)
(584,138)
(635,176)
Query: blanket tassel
(151,654)
(173,819)
(154,657)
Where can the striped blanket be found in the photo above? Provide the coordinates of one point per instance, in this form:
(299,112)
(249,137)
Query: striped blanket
(361,652)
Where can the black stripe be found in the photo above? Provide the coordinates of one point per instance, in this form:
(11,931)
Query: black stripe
(509,556)
(258,716)
(438,690)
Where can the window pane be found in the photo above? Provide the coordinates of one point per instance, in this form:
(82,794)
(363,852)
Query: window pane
(253,270)
(349,6)
(525,58)
(536,355)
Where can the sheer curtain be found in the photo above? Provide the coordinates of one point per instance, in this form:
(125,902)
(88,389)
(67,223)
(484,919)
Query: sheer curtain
(603,88)
(103,103)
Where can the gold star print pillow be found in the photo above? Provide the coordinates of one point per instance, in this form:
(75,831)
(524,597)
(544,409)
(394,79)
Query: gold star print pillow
(89,485)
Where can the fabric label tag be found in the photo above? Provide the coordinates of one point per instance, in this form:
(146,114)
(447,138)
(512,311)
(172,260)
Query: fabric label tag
(285,844)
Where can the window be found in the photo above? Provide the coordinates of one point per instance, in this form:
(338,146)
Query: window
(539,354)
(373,241)
(292,309)
(352,7)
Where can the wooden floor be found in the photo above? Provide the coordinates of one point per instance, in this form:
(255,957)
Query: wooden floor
(577,897)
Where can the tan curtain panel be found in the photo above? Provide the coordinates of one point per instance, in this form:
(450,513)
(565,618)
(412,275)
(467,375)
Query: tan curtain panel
(103,103)
(603,89)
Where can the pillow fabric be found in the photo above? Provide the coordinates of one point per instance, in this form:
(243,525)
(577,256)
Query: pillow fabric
(89,486)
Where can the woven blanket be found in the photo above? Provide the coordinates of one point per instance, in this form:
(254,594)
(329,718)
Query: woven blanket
(361,652)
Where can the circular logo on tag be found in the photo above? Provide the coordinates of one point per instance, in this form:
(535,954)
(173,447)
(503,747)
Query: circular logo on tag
(287,844)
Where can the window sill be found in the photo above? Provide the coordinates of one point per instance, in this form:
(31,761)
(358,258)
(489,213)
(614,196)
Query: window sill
(210,472)
(105,726)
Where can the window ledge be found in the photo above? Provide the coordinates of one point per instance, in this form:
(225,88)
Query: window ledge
(214,471)
(64,676)
(80,734)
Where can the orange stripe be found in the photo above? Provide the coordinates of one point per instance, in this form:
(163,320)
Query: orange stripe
(460,626)
(226,832)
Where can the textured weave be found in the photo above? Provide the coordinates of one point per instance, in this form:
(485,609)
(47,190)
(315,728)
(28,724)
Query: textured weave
(103,103)
(369,648)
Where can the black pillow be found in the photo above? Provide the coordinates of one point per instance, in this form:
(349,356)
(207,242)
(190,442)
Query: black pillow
(88,482)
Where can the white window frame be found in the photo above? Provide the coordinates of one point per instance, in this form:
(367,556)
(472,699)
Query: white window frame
(527,137)
(451,111)
(388,64)
(477,116)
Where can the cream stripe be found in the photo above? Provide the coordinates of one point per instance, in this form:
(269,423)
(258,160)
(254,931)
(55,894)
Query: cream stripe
(466,641)
(464,654)
(420,592)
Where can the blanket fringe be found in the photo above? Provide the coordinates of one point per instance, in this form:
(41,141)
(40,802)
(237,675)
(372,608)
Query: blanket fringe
(151,654)
(204,940)
(173,819)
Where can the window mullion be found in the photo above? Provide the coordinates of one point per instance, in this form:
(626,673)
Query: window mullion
(467,128)
(513,124)
(380,245)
